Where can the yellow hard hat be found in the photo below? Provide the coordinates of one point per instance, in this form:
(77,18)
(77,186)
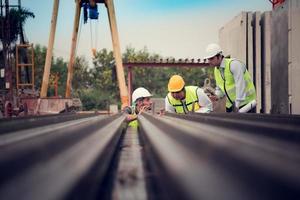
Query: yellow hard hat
(176,83)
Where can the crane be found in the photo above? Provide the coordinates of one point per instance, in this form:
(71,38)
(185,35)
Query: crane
(115,41)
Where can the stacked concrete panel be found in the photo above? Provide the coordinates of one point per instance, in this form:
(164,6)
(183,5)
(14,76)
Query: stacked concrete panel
(249,46)
(294,55)
(279,61)
(285,49)
(266,61)
(269,44)
(257,72)
(233,37)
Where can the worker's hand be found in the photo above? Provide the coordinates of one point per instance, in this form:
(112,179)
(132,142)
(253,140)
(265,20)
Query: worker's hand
(213,98)
(143,109)
(130,118)
(161,112)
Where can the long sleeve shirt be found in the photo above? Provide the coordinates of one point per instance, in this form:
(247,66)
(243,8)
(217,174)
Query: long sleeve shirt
(237,69)
(203,100)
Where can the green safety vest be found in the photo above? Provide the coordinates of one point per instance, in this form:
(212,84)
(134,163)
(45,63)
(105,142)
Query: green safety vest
(134,123)
(191,100)
(227,82)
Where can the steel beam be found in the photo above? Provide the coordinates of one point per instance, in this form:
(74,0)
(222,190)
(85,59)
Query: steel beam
(197,159)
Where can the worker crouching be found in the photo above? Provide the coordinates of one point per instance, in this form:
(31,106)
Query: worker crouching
(183,99)
(233,81)
(140,102)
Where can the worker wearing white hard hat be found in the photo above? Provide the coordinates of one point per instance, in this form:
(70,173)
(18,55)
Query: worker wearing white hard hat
(140,102)
(233,81)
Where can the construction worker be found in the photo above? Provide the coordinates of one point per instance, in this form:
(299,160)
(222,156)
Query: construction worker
(141,102)
(183,99)
(233,81)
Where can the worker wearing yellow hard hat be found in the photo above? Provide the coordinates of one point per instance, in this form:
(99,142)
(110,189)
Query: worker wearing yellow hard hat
(233,81)
(183,99)
(140,102)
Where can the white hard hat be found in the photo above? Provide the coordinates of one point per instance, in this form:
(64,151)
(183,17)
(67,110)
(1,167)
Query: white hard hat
(139,93)
(212,50)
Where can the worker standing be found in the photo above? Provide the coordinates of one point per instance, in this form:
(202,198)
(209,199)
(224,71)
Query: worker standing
(140,102)
(233,81)
(184,99)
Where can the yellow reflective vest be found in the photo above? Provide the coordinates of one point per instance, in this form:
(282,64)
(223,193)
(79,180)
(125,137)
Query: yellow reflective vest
(133,123)
(227,85)
(191,101)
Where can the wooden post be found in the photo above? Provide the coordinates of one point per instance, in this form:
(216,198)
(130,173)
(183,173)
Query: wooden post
(73,50)
(129,77)
(47,66)
(117,52)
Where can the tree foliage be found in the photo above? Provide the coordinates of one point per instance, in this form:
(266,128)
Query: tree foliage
(17,19)
(97,86)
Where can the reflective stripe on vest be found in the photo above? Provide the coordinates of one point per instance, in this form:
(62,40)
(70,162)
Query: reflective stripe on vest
(191,100)
(230,84)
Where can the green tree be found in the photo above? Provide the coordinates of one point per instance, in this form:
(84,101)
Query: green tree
(156,79)
(59,66)
(17,19)
(39,63)
(97,87)
(104,78)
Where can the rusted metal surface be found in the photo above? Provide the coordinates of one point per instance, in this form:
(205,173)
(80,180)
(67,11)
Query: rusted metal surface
(41,106)
(168,63)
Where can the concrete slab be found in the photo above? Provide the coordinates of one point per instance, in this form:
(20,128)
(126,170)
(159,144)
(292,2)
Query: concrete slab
(158,104)
(279,60)
(249,46)
(46,105)
(232,37)
(294,55)
(266,61)
(257,59)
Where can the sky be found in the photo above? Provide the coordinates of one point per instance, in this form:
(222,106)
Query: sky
(171,28)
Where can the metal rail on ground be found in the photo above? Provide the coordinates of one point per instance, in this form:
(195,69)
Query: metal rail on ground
(222,156)
(8,125)
(59,161)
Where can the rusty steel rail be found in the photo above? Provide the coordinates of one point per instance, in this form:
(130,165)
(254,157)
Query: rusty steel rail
(223,156)
(59,161)
(20,123)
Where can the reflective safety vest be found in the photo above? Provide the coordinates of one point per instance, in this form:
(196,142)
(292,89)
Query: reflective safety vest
(191,101)
(133,123)
(227,85)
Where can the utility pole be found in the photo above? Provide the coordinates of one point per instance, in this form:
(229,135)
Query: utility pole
(47,66)
(73,50)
